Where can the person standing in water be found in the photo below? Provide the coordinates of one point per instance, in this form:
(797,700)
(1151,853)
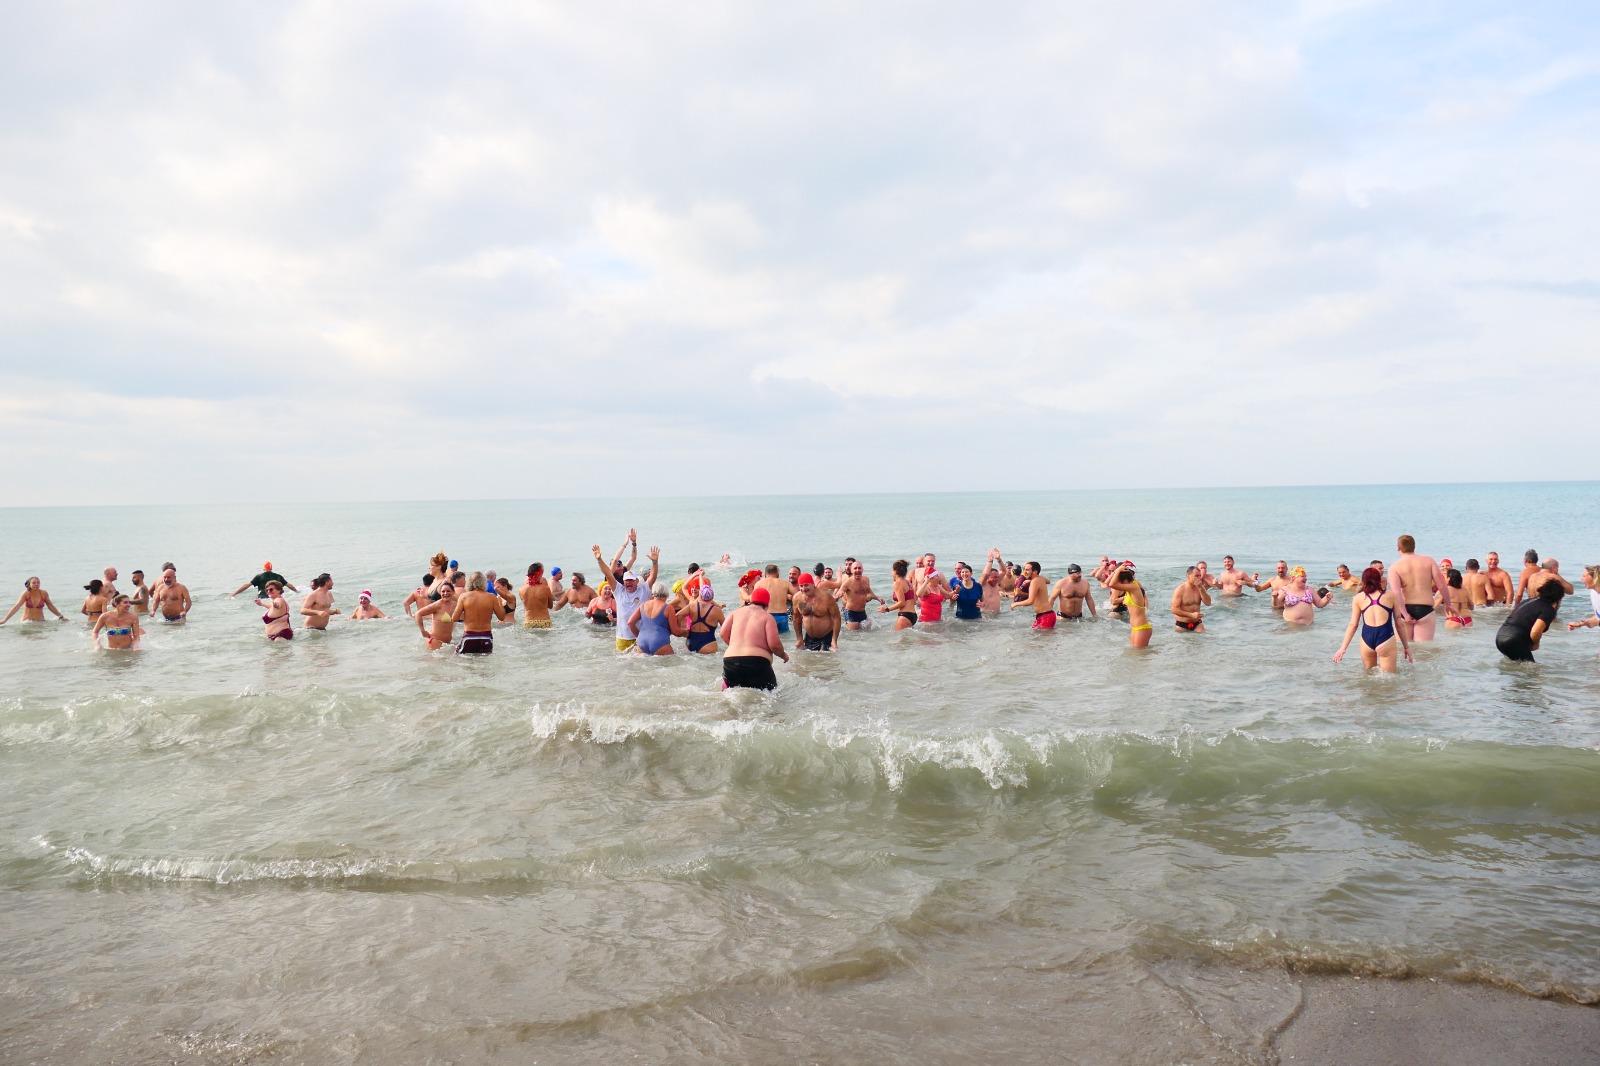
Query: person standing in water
(903,603)
(365,608)
(139,599)
(1499,589)
(752,640)
(1300,603)
(701,620)
(1033,593)
(1071,594)
(477,610)
(1530,566)
(1232,582)
(967,594)
(120,625)
(276,618)
(170,598)
(260,581)
(578,596)
(817,618)
(1132,598)
(317,608)
(1520,634)
(33,602)
(536,599)
(1415,580)
(1591,581)
(655,622)
(1187,598)
(94,604)
(1373,611)
(779,593)
(442,611)
(855,592)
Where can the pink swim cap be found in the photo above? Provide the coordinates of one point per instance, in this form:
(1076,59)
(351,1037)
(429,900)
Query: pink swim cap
(706,593)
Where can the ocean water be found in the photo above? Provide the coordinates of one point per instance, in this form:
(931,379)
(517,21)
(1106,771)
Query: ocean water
(957,840)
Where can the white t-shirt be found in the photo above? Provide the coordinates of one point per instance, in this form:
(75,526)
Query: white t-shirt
(1594,601)
(627,603)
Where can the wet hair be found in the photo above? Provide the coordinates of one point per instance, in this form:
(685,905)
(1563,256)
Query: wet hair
(476,582)
(660,591)
(1472,564)
(772,569)
(694,568)
(900,566)
(535,569)
(1408,543)
(1453,577)
(1550,592)
(817,570)
(427,579)
(1530,557)
(321,580)
(1372,581)
(94,587)
(1125,575)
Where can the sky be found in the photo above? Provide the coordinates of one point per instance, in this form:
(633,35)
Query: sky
(349,251)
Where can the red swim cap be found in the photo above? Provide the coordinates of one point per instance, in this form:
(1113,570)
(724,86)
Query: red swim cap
(807,579)
(761,598)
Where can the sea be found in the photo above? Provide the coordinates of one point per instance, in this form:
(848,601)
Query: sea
(959,840)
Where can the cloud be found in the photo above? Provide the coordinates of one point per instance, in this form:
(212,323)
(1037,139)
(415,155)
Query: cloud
(662,239)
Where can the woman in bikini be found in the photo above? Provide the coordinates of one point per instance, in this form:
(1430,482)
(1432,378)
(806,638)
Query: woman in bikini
(443,612)
(120,625)
(1300,604)
(276,618)
(701,620)
(602,610)
(1372,611)
(94,604)
(1460,616)
(33,602)
(1131,597)
(903,601)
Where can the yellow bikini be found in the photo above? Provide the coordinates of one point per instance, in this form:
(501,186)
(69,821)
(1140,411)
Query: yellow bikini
(1129,601)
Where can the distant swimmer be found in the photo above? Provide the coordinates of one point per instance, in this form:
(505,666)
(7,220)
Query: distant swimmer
(1232,582)
(1460,617)
(1187,599)
(1275,584)
(1373,611)
(508,596)
(260,581)
(1345,579)
(477,611)
(602,609)
(1301,603)
(1134,601)
(442,611)
(1499,588)
(1415,579)
(419,596)
(1530,566)
(119,624)
(170,598)
(701,620)
(276,619)
(536,599)
(139,599)
(725,561)
(904,601)
(751,637)
(317,608)
(1033,594)
(779,592)
(855,592)
(33,603)
(967,595)
(1072,594)
(1520,634)
(817,618)
(94,604)
(1591,581)
(655,622)
(1549,570)
(365,608)
(1474,585)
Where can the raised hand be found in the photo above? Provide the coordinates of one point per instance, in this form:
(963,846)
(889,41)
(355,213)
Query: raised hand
(655,554)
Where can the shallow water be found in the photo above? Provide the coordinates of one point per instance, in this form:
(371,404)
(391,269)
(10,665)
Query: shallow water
(349,849)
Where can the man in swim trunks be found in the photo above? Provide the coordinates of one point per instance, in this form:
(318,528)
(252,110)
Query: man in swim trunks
(1415,580)
(1346,580)
(1034,592)
(779,593)
(260,581)
(317,609)
(1474,586)
(556,587)
(1071,594)
(536,601)
(855,592)
(1549,570)
(1530,566)
(1279,581)
(1186,601)
(140,600)
(170,598)
(477,609)
(751,637)
(579,595)
(816,615)
(1500,590)
(1233,582)
(420,595)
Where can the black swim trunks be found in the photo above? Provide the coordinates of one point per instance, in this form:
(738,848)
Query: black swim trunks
(1419,611)
(822,643)
(748,671)
(1187,627)
(855,616)
(1069,617)
(475,644)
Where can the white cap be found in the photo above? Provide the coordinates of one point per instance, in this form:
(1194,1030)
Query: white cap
(630,576)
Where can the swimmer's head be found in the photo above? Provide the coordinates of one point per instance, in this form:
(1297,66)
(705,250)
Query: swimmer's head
(761,598)
(1372,581)
(807,581)
(659,590)
(1453,577)
(1472,566)
(447,590)
(1530,557)
(1446,563)
(1031,570)
(1591,576)
(706,593)
(577,579)
(267,565)
(818,570)
(1298,571)
(316,582)
(438,560)
(694,568)
(365,596)
(273,586)
(534,570)
(1343,570)
(555,571)
(1406,543)
(1283,568)
(772,569)
(900,567)
(94,587)
(1074,568)
(119,599)
(476,582)
(630,580)
(677,586)
(1227,561)
(31,583)
(1493,559)
(1552,565)
(427,579)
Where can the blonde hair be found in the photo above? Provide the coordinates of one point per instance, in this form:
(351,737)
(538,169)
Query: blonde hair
(476,582)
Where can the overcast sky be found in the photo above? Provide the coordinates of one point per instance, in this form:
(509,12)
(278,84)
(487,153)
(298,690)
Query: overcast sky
(341,251)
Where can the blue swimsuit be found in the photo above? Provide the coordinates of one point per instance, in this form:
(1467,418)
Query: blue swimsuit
(1375,637)
(654,633)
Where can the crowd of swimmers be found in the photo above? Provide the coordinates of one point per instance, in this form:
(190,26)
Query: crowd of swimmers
(1390,606)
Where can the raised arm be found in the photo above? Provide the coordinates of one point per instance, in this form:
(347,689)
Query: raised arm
(655,563)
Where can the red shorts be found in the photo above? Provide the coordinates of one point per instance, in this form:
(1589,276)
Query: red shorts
(1044,620)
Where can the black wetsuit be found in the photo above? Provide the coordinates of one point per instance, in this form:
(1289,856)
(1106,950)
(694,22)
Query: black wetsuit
(1515,638)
